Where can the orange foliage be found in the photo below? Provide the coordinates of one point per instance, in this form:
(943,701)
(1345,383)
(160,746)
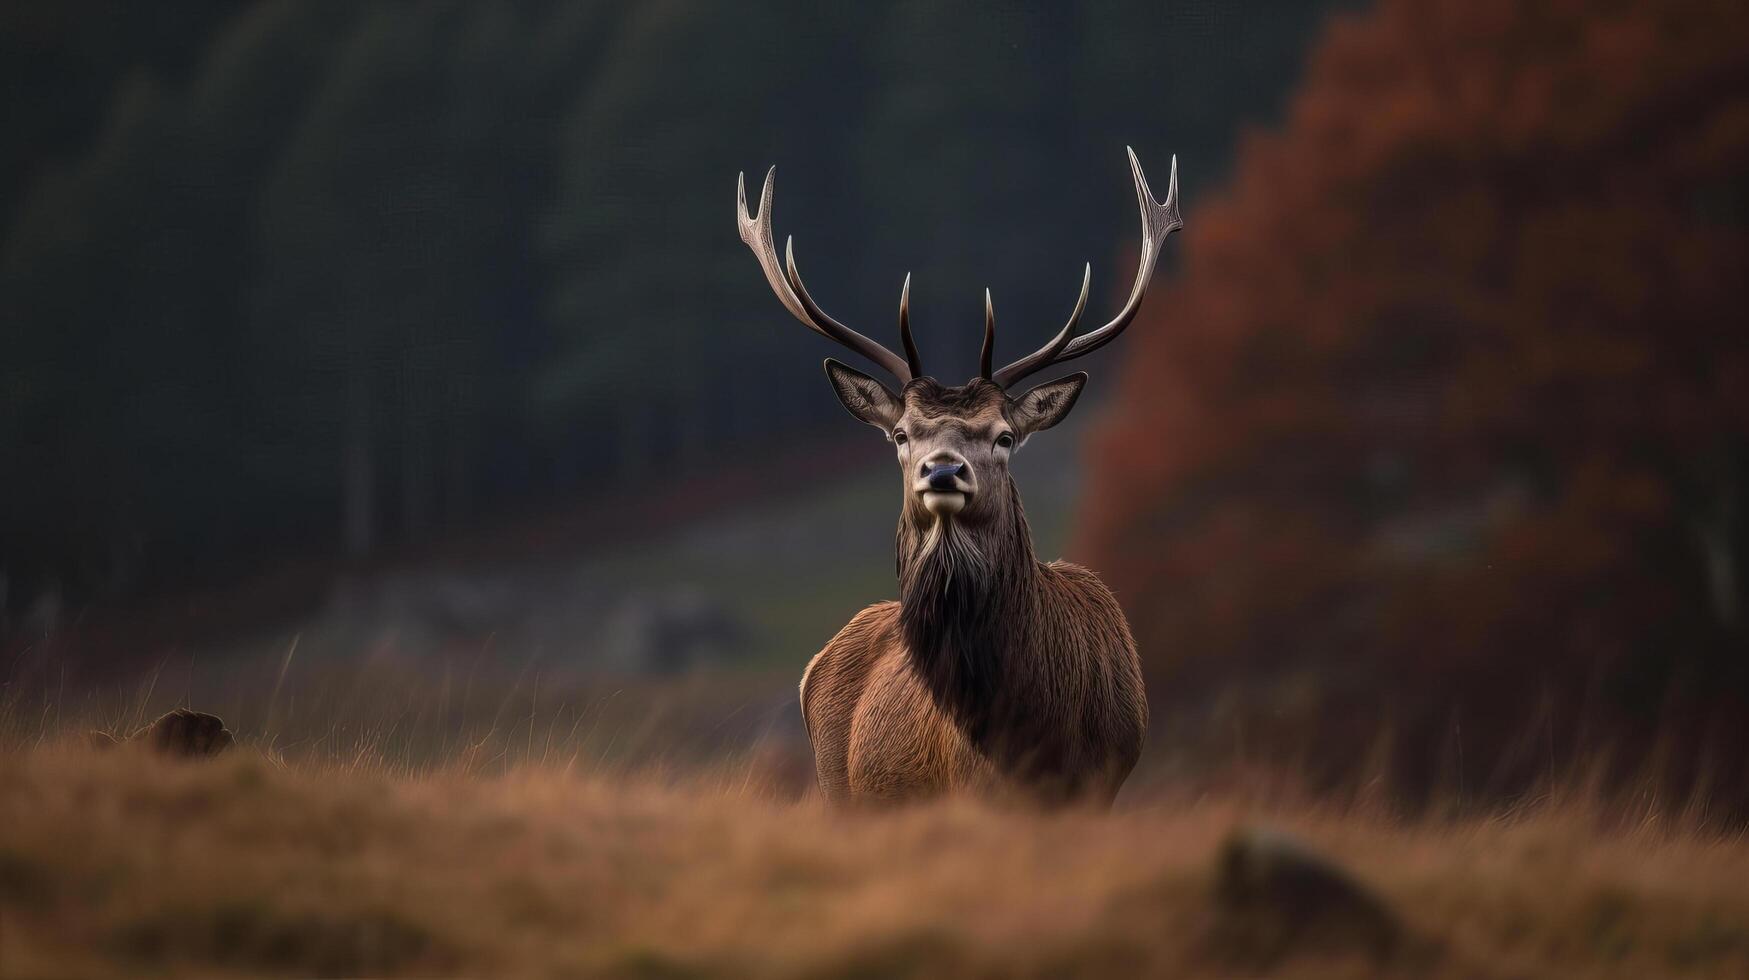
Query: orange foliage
(1445,419)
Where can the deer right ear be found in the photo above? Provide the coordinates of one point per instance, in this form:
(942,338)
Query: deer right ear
(1047,404)
(863,396)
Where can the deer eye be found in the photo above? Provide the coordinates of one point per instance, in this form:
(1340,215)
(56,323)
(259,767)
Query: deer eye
(1005,441)
(899,437)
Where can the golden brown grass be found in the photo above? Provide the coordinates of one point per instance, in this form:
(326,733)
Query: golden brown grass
(117,864)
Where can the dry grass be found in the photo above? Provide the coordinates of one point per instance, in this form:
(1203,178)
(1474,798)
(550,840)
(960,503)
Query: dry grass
(114,864)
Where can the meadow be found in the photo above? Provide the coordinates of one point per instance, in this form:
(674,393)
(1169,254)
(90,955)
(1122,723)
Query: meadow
(535,843)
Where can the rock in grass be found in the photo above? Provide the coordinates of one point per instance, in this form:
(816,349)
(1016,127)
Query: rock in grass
(181,733)
(1275,896)
(186,734)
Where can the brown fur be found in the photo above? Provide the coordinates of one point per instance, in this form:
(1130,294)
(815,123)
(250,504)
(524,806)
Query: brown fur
(994,671)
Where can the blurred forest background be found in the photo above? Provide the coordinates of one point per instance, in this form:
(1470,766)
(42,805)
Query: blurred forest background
(391,333)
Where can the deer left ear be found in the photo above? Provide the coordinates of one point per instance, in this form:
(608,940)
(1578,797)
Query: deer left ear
(1047,404)
(864,397)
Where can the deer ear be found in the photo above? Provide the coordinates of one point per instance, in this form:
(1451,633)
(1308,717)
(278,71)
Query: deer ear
(1047,404)
(863,396)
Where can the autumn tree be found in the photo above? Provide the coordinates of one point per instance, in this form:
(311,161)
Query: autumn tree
(1442,435)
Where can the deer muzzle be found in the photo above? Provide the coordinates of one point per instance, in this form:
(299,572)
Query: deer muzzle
(945,484)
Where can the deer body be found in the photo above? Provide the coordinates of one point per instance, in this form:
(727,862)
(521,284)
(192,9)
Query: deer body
(880,733)
(994,671)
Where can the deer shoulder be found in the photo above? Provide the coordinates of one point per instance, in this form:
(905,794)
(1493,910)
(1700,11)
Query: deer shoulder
(833,683)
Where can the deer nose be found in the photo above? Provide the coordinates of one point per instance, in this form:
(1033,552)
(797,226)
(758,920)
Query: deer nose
(943,476)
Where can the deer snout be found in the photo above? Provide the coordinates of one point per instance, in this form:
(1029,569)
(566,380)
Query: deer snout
(944,481)
(943,476)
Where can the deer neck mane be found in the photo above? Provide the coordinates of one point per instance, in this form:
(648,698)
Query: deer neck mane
(966,597)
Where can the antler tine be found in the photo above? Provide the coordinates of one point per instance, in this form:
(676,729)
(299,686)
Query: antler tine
(755,231)
(1038,359)
(1158,221)
(989,352)
(838,331)
(912,361)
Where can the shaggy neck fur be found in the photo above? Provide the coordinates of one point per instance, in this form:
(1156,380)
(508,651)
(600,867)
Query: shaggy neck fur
(966,606)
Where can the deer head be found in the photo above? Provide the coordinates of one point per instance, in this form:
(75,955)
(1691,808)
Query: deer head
(953,443)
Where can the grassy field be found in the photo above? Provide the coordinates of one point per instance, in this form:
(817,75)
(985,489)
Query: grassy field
(501,811)
(120,864)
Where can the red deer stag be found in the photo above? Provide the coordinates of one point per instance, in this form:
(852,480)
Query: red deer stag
(994,670)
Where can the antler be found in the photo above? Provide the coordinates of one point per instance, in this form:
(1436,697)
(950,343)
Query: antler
(1158,221)
(786,282)
(989,349)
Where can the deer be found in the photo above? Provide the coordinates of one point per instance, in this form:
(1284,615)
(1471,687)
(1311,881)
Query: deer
(994,672)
